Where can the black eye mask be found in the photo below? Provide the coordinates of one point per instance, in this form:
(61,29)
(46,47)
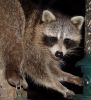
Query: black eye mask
(49,41)
(69,43)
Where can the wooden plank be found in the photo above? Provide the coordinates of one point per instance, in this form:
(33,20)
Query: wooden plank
(88,26)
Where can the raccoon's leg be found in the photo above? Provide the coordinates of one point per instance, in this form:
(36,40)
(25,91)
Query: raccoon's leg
(50,82)
(13,76)
(13,58)
(46,79)
(63,76)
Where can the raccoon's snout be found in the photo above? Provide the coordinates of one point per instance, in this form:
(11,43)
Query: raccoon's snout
(59,54)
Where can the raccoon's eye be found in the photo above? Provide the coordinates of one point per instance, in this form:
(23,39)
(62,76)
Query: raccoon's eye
(69,43)
(49,41)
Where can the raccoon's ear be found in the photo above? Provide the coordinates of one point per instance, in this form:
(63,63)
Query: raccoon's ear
(78,21)
(48,16)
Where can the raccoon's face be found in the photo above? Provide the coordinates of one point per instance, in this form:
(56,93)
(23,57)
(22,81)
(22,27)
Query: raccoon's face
(61,35)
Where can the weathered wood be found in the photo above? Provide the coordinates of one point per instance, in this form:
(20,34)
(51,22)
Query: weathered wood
(88,26)
(86,62)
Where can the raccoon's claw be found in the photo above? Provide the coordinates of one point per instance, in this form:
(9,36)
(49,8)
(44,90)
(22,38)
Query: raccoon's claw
(79,81)
(24,84)
(16,80)
(69,94)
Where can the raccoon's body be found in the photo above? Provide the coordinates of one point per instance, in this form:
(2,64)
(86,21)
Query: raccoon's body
(46,40)
(36,48)
(12,24)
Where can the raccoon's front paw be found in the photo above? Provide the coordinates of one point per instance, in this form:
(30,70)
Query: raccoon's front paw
(78,81)
(15,80)
(69,94)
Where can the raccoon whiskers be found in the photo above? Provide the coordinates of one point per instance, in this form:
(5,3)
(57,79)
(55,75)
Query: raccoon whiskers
(75,50)
(72,54)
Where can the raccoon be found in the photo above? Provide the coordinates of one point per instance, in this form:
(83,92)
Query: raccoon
(65,33)
(47,39)
(12,24)
(34,47)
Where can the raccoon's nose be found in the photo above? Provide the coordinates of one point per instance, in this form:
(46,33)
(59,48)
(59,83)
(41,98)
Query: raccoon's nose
(59,54)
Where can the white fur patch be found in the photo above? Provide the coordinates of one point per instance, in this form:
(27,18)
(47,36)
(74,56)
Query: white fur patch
(64,50)
(54,49)
(59,35)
